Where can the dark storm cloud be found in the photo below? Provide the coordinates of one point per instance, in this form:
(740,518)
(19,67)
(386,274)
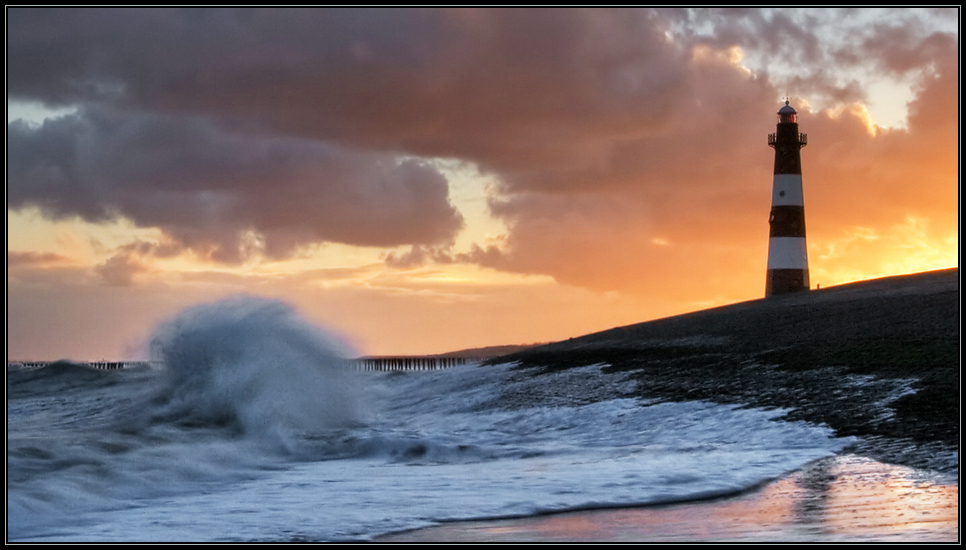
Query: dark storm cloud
(901,48)
(211,190)
(501,87)
(786,36)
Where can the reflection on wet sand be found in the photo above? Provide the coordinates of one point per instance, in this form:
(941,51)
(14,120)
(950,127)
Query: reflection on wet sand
(844,498)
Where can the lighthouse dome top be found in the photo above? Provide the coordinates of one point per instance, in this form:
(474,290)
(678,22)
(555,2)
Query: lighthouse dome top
(787,113)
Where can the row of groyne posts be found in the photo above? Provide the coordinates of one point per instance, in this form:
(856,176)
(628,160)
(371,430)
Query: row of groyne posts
(99,365)
(362,363)
(407,363)
(111,365)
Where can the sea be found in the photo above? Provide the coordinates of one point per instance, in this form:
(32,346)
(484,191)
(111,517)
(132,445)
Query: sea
(248,424)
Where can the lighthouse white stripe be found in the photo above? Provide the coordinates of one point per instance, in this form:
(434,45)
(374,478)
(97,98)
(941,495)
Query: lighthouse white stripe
(787,190)
(787,253)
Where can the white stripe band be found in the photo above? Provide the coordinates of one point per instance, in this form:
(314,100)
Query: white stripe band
(787,190)
(787,253)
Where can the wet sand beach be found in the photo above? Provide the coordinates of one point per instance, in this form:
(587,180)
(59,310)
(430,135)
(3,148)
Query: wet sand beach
(877,361)
(846,498)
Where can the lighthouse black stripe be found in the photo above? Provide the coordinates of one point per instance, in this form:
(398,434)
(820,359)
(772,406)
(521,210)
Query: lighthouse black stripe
(788,158)
(787,221)
(786,281)
(788,162)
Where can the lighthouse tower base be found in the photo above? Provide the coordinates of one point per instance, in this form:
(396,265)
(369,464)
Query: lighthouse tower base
(786,281)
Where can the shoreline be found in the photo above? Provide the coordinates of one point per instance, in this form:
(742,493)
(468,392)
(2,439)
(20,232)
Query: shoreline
(842,498)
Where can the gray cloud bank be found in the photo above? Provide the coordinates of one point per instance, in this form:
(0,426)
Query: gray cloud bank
(206,188)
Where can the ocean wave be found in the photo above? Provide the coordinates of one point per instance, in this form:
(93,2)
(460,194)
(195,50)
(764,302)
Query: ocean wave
(254,365)
(255,427)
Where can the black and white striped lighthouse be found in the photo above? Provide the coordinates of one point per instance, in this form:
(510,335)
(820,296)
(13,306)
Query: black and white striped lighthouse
(787,257)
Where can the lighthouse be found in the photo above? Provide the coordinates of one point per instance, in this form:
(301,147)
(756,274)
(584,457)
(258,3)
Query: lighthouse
(787,257)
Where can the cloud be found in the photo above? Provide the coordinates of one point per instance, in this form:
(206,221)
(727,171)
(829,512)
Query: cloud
(901,47)
(499,87)
(121,269)
(30,259)
(420,255)
(221,194)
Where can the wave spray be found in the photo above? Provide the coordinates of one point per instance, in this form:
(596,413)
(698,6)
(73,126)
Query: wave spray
(254,365)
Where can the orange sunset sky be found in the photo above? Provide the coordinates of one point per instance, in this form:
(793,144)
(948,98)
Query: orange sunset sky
(427,180)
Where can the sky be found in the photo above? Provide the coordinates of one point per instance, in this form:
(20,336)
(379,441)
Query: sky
(425,180)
